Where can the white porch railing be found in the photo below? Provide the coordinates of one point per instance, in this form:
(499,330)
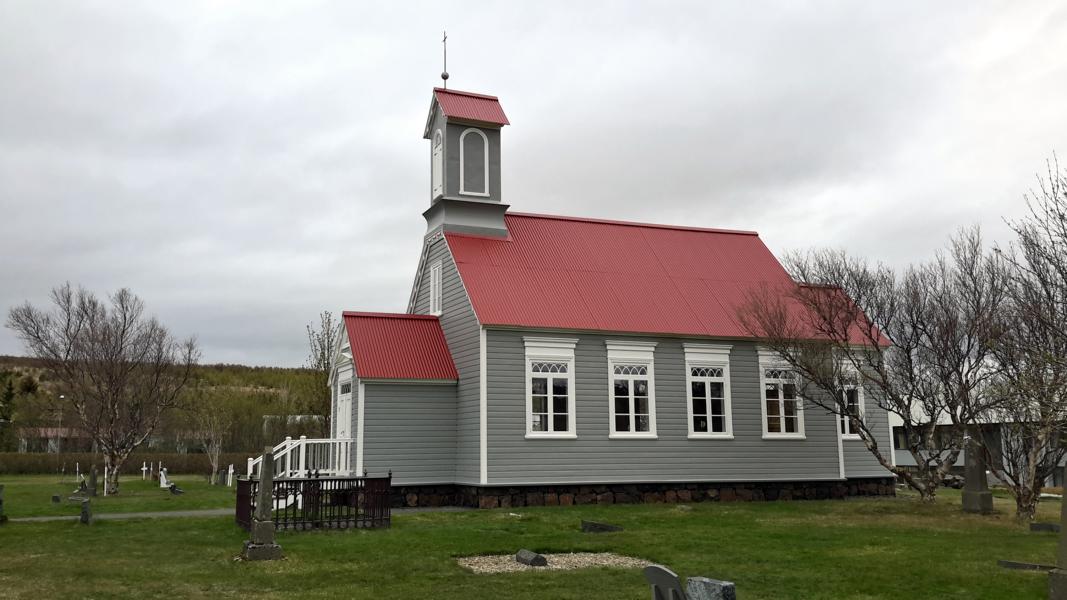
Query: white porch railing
(300,457)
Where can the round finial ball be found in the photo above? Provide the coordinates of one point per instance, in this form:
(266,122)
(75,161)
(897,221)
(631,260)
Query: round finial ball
(444,75)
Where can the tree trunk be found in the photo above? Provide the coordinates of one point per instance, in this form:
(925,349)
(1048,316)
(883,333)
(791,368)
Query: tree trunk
(1026,504)
(113,464)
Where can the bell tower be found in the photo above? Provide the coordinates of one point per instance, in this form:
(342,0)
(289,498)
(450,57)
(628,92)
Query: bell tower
(465,192)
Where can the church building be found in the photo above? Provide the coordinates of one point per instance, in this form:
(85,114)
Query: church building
(547,359)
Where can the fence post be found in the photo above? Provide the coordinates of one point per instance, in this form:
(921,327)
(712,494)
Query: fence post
(303,455)
(288,454)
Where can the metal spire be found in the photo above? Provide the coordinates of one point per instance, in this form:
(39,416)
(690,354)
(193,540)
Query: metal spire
(444,45)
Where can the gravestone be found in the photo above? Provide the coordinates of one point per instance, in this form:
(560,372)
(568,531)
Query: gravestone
(87,512)
(164,483)
(56,499)
(1057,578)
(702,588)
(531,558)
(92,481)
(594,527)
(3,517)
(261,545)
(976,495)
(1045,527)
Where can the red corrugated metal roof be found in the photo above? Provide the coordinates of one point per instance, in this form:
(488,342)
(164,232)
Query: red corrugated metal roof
(588,274)
(470,106)
(398,346)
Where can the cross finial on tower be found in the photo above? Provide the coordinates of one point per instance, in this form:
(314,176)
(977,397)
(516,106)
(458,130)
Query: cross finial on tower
(444,46)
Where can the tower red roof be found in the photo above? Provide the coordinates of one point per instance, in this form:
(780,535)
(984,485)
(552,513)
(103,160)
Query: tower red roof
(470,106)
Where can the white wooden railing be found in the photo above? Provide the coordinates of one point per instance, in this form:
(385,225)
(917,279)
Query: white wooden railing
(330,457)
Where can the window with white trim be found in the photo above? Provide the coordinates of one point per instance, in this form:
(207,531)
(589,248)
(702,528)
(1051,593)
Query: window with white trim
(708,390)
(782,407)
(853,405)
(781,403)
(550,387)
(346,387)
(631,378)
(438,166)
(435,288)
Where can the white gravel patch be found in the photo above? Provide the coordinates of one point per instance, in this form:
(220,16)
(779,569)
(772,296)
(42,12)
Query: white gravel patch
(506,563)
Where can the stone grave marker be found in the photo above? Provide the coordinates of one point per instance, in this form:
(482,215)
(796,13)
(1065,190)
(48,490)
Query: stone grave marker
(703,588)
(92,481)
(87,512)
(56,499)
(261,545)
(3,517)
(976,495)
(531,558)
(1057,577)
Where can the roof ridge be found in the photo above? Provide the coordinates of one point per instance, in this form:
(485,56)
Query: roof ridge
(631,223)
(382,315)
(462,93)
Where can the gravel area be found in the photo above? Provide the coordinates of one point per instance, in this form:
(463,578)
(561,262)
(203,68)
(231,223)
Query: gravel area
(506,563)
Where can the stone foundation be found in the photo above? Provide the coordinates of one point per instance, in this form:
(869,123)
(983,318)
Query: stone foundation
(567,495)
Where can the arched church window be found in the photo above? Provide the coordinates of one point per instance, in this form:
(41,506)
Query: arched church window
(474,163)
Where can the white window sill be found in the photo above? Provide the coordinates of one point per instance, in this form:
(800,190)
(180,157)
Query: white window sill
(551,436)
(632,436)
(711,436)
(784,436)
(851,436)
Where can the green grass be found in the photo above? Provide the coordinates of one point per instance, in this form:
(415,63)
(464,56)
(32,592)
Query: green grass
(858,549)
(31,496)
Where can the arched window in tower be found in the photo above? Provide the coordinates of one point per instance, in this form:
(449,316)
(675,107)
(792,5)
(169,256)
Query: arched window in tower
(474,163)
(437,168)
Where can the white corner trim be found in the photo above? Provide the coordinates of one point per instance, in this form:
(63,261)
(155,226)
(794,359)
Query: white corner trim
(359,428)
(483,410)
(463,159)
(840,448)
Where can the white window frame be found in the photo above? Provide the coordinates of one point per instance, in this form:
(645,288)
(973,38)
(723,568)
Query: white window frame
(631,353)
(715,356)
(845,425)
(462,163)
(541,349)
(437,165)
(771,360)
(436,303)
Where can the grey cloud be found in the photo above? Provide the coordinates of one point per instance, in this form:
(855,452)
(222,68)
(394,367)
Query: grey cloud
(244,165)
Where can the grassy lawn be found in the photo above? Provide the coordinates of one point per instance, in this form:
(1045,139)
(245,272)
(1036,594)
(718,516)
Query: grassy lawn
(860,549)
(31,496)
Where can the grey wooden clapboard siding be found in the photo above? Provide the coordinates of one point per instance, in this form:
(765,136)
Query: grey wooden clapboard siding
(410,428)
(859,462)
(462,332)
(594,458)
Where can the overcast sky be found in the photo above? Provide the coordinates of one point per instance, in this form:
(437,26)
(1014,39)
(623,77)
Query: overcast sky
(243,166)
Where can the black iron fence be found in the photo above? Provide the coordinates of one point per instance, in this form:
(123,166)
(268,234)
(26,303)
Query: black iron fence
(320,503)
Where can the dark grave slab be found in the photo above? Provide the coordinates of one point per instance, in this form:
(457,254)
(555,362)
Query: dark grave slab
(1024,566)
(595,527)
(1045,527)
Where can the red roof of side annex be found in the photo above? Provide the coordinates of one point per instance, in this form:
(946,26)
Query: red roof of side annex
(398,346)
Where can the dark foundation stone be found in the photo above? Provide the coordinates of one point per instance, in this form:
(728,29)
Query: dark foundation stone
(568,495)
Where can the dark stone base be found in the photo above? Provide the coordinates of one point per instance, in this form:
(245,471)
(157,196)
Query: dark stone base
(978,502)
(261,551)
(635,493)
(1057,584)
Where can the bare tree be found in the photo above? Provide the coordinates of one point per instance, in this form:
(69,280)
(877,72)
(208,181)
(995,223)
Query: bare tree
(121,369)
(212,422)
(1032,352)
(917,344)
(321,343)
